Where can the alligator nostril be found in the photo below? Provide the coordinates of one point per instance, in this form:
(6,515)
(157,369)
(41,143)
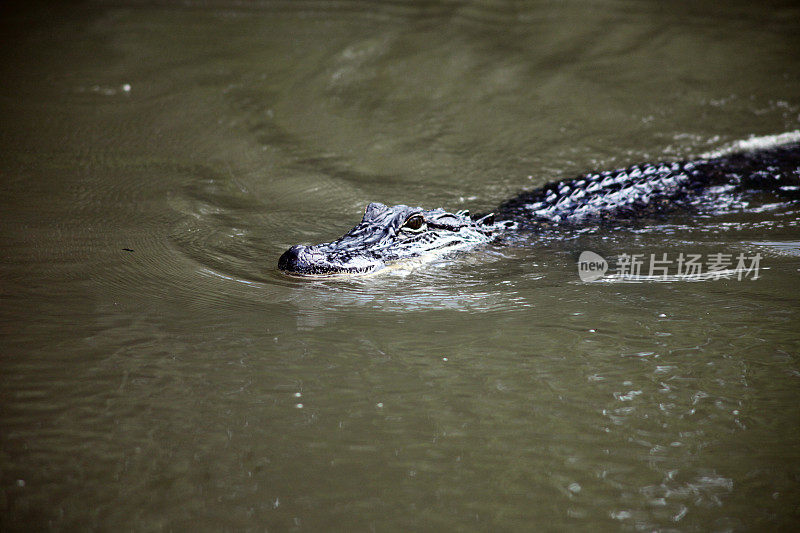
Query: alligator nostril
(290,258)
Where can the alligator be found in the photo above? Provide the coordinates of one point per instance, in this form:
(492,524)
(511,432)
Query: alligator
(388,235)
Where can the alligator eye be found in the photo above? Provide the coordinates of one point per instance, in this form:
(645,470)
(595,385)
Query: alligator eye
(414,223)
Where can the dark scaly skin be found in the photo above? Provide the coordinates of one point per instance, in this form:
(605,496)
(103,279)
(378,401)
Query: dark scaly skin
(387,235)
(642,190)
(634,191)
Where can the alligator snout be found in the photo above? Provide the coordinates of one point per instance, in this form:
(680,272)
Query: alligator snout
(293,259)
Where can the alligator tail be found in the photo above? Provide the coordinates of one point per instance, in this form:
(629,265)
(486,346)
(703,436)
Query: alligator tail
(647,189)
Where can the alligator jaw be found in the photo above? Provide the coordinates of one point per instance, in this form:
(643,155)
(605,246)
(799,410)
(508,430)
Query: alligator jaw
(312,261)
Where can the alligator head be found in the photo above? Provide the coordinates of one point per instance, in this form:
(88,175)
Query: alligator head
(387,235)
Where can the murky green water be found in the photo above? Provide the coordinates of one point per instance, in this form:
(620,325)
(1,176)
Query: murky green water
(187,384)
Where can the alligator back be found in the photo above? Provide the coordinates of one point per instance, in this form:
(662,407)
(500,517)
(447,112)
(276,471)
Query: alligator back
(642,190)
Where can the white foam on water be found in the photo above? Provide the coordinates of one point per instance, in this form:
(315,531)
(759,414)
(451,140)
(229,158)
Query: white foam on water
(754,143)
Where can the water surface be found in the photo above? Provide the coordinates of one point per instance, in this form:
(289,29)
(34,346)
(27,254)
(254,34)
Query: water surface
(158,373)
